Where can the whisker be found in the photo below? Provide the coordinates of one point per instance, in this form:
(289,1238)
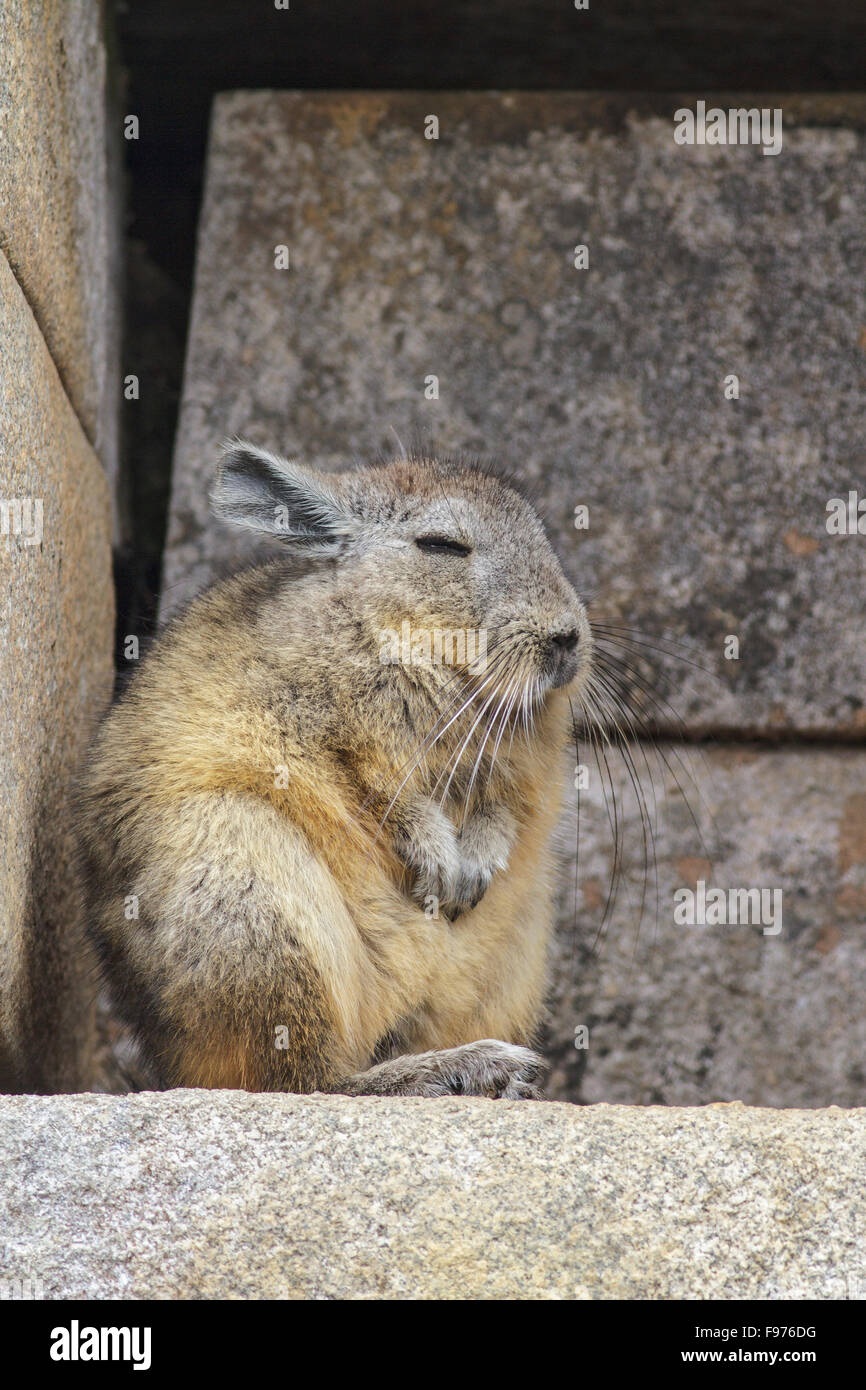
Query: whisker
(490,727)
(613,635)
(611,807)
(464,706)
(646,827)
(688,772)
(576,737)
(463,747)
(504,724)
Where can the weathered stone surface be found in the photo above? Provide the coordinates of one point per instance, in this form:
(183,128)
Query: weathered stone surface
(56,638)
(680,1014)
(412,257)
(227,1195)
(58,197)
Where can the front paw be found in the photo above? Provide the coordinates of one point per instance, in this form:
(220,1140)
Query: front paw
(484,845)
(426,842)
(473,880)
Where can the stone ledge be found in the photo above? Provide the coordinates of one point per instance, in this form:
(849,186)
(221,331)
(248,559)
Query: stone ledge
(193,1194)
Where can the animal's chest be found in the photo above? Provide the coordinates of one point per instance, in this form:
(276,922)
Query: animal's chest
(482,975)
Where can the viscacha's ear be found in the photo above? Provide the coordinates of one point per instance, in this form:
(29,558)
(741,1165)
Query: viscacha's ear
(280,498)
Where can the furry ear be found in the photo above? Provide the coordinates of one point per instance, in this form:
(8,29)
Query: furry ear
(280,498)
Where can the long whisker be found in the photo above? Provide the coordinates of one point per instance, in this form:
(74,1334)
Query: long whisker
(618,712)
(645,732)
(615,635)
(616,666)
(463,747)
(612,809)
(428,740)
(509,710)
(576,736)
(464,706)
(491,723)
(646,826)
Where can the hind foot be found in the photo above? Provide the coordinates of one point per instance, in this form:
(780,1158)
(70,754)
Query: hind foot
(498,1070)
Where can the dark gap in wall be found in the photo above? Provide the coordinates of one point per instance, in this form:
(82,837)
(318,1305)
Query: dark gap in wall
(178,53)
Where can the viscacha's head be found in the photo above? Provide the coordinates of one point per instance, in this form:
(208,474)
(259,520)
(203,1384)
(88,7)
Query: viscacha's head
(425,547)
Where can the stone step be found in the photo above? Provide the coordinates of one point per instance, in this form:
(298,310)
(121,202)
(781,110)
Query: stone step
(223,1195)
(603,387)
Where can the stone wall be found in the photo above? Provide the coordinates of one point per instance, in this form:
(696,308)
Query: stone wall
(59,318)
(60,227)
(605,386)
(682,1015)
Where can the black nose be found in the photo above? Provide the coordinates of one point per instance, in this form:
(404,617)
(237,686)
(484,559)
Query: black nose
(561,659)
(564,641)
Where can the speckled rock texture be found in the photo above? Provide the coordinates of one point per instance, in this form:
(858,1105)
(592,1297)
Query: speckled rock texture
(226,1195)
(59,202)
(56,673)
(410,258)
(681,1014)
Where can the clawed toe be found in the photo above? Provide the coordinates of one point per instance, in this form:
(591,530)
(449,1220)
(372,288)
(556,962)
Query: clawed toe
(499,1071)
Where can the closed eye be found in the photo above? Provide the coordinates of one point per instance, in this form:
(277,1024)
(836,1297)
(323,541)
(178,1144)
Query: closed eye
(443,545)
